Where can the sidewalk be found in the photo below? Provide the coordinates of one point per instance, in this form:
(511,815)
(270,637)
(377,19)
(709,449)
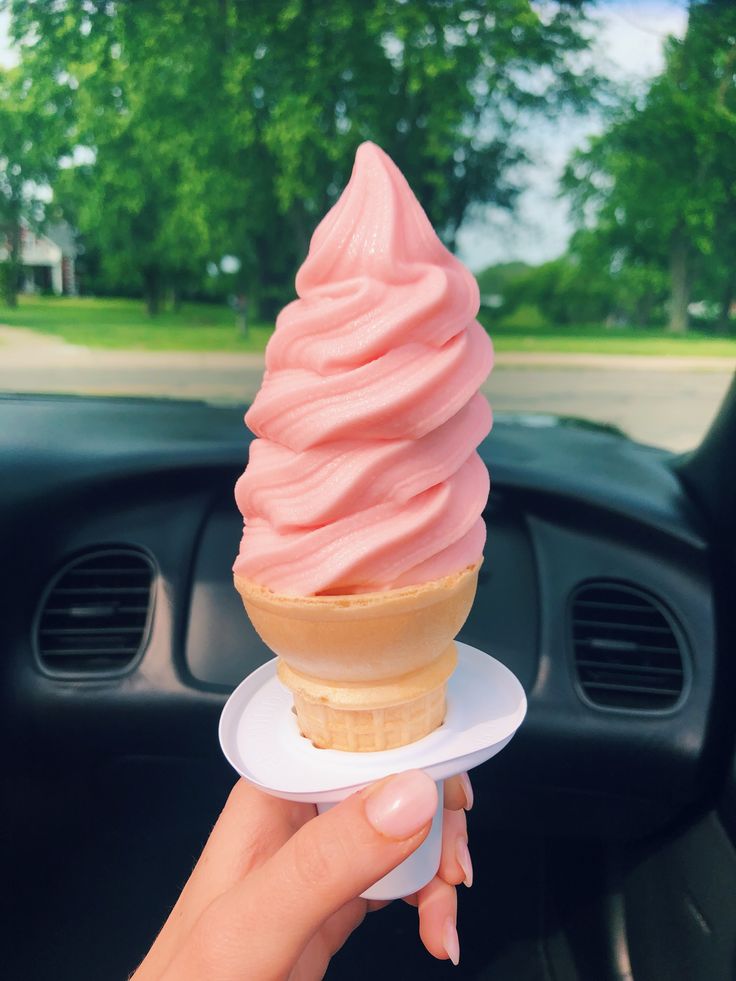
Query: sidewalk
(22,347)
(621,362)
(666,401)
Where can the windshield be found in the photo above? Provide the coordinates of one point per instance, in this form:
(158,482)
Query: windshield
(163,165)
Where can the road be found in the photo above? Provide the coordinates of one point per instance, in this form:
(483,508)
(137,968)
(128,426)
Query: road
(665,401)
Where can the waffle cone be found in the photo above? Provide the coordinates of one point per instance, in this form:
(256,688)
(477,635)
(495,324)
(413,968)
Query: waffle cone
(368,671)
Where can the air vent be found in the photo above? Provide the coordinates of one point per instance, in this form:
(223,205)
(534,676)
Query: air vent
(96,613)
(628,654)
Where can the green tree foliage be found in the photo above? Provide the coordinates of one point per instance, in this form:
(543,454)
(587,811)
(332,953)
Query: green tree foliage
(228,127)
(658,188)
(583,287)
(559,293)
(494,280)
(626,287)
(32,138)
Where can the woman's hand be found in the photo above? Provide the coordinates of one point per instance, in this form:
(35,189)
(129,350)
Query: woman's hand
(273,895)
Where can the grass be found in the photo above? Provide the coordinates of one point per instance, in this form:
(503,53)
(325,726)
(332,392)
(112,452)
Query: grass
(603,340)
(124,324)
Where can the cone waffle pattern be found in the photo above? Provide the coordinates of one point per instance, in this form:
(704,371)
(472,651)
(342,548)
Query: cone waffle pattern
(369,730)
(367,672)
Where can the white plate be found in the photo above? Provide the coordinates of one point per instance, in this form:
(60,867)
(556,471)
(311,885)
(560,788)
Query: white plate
(259,735)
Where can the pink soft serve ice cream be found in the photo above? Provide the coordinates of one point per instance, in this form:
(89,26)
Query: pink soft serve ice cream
(364,475)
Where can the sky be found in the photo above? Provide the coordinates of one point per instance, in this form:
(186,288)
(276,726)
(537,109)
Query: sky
(7,57)
(629,40)
(629,47)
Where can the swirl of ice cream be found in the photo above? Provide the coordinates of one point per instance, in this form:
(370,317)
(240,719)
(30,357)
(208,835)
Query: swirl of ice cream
(365,475)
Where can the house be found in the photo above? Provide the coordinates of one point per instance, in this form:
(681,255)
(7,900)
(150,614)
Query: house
(48,259)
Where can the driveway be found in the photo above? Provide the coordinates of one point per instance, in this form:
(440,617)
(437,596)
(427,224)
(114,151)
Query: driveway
(665,401)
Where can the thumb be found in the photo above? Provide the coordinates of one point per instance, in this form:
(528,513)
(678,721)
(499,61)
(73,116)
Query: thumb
(269,917)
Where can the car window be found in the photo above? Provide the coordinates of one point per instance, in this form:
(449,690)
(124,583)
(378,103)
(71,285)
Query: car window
(163,166)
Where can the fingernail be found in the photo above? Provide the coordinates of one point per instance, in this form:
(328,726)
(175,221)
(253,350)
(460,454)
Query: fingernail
(401,806)
(467,790)
(464,860)
(451,941)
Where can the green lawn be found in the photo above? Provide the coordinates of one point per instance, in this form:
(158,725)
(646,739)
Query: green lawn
(122,324)
(602,340)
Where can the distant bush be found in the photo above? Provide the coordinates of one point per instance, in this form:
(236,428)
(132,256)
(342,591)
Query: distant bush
(494,280)
(527,316)
(577,288)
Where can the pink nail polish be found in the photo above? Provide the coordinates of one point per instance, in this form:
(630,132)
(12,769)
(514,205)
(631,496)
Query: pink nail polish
(464,861)
(467,790)
(451,941)
(402,805)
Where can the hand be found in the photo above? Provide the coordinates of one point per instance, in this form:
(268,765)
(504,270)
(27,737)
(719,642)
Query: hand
(274,893)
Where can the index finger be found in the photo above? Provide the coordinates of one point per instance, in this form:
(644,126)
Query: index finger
(458,793)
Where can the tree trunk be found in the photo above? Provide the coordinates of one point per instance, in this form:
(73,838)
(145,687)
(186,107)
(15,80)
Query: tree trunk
(6,279)
(252,292)
(727,298)
(679,284)
(6,284)
(152,290)
(301,225)
(643,310)
(173,298)
(14,264)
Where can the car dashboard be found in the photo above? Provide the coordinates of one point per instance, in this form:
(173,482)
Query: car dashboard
(602,588)
(596,591)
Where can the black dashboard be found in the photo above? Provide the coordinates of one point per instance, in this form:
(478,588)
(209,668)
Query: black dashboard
(570,506)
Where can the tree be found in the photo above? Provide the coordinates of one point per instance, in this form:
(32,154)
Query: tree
(133,202)
(660,184)
(494,280)
(631,285)
(229,127)
(32,138)
(562,291)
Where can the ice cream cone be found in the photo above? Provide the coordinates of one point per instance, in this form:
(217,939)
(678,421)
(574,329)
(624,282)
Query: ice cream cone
(368,671)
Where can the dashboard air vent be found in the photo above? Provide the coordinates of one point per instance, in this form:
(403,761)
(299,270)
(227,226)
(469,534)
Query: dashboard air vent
(96,613)
(627,650)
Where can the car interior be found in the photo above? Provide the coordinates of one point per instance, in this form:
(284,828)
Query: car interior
(602,837)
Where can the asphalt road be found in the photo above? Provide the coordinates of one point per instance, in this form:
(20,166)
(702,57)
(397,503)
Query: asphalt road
(665,401)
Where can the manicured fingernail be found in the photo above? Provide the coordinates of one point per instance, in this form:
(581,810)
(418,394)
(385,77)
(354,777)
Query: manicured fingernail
(467,790)
(401,806)
(451,941)
(464,861)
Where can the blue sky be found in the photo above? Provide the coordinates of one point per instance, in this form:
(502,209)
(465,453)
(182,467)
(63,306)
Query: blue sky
(629,38)
(629,43)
